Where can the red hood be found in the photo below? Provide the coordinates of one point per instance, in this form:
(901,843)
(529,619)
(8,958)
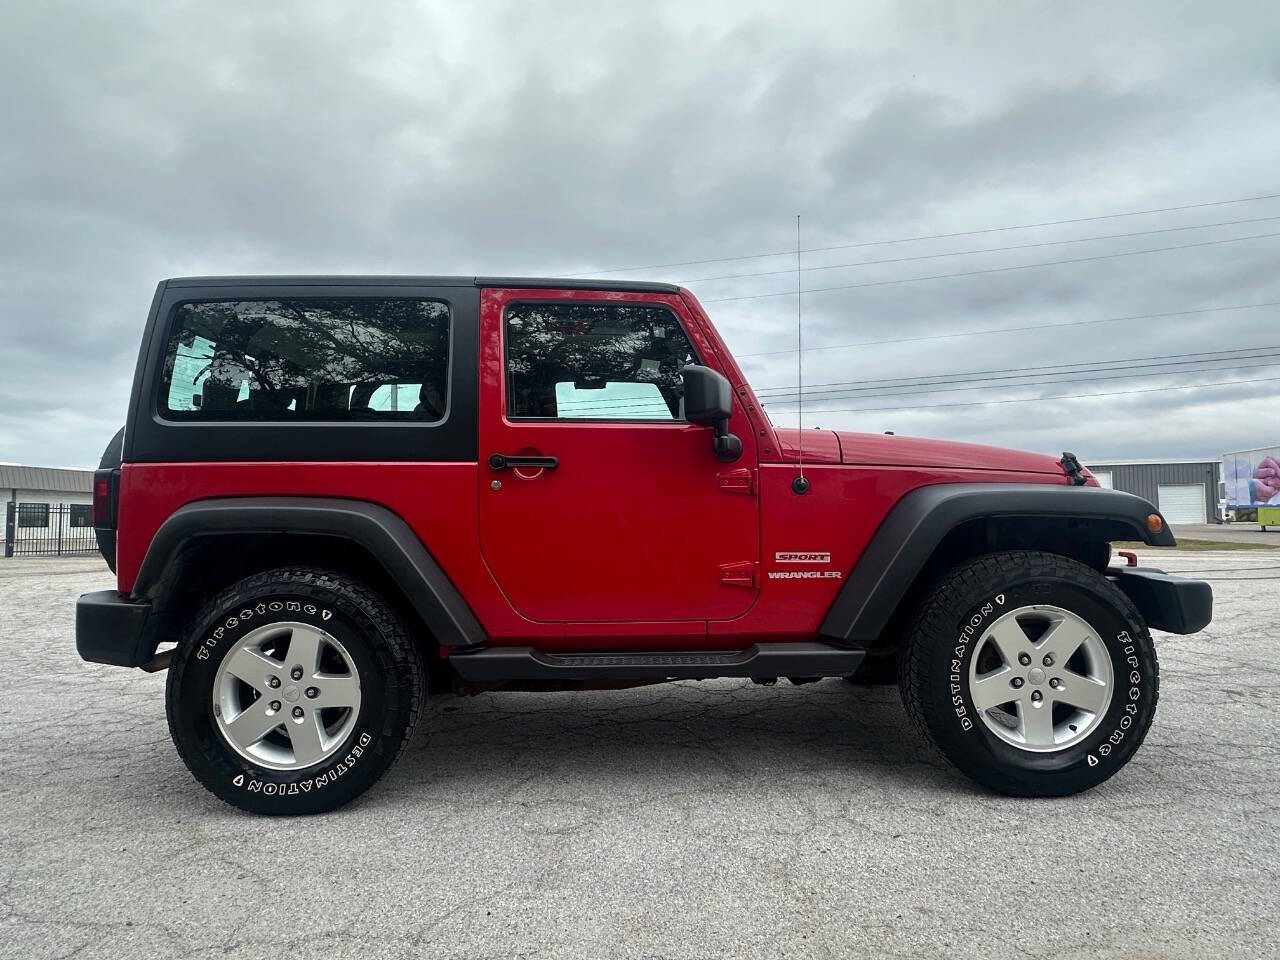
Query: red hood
(878,449)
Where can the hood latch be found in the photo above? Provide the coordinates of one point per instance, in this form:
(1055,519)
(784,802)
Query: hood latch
(1072,467)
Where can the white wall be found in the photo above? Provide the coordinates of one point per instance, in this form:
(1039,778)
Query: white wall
(47,496)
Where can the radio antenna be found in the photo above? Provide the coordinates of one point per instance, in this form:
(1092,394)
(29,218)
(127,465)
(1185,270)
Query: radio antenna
(800,485)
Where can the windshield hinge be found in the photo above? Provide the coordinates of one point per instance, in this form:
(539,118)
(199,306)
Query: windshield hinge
(739,574)
(742,480)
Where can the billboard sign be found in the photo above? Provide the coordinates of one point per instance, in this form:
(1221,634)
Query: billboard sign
(1252,478)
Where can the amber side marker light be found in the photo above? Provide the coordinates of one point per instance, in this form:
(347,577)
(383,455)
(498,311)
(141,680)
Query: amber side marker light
(1154,523)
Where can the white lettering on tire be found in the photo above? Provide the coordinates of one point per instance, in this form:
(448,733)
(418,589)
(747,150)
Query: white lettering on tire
(247,614)
(968,633)
(306,786)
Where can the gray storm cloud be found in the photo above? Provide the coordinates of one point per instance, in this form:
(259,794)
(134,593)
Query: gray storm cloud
(151,140)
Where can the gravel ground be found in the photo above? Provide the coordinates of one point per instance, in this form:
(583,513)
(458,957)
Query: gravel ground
(682,821)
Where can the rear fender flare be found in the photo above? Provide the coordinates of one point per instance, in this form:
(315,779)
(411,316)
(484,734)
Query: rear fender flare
(917,524)
(380,531)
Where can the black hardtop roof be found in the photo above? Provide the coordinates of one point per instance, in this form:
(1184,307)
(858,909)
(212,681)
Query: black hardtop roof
(552,283)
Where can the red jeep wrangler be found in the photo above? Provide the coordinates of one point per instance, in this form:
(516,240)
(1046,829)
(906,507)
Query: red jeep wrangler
(336,495)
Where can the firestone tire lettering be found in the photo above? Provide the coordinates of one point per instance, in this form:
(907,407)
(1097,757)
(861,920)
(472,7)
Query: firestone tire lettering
(934,673)
(390,668)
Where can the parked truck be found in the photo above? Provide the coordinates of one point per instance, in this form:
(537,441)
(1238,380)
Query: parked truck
(1251,486)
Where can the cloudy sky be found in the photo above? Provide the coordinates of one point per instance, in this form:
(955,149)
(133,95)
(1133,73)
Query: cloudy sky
(141,141)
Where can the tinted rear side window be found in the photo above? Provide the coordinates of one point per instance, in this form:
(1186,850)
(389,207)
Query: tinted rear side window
(307,359)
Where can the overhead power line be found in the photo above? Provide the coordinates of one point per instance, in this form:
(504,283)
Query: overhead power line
(772,402)
(969,253)
(1082,366)
(934,236)
(927,389)
(1035,326)
(1021,266)
(984,379)
(1066,396)
(923,390)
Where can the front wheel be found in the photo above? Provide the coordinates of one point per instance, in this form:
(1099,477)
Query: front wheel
(1032,673)
(293,691)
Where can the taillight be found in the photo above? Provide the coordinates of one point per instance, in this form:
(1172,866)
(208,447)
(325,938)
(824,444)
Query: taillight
(104,499)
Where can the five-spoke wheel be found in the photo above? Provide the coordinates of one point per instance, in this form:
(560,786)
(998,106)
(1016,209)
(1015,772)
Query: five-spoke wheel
(1041,678)
(286,696)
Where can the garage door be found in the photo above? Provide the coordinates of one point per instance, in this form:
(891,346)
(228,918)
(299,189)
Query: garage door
(1103,477)
(1182,502)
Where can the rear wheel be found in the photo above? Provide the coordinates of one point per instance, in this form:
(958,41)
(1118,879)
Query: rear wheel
(294,691)
(1032,673)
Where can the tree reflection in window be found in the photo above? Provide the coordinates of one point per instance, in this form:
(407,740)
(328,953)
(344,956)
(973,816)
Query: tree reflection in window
(629,355)
(316,359)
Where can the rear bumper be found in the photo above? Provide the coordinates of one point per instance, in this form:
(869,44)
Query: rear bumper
(113,629)
(1168,603)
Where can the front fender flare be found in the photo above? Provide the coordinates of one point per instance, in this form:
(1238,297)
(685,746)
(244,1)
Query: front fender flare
(917,524)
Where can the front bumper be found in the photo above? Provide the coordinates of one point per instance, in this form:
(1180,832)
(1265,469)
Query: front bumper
(1168,603)
(112,629)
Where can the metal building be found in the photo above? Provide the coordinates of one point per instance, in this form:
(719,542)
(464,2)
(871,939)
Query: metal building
(47,510)
(1186,491)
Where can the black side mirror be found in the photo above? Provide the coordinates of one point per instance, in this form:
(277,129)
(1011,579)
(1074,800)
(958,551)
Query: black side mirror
(708,402)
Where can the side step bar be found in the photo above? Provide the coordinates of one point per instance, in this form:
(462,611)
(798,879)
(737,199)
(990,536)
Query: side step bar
(495,664)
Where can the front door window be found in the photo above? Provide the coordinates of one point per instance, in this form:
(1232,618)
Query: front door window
(572,361)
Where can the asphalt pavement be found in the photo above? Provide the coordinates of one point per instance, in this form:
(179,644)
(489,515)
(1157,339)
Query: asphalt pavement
(689,820)
(1249,533)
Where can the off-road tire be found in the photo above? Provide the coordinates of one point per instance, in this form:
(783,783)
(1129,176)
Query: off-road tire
(391,674)
(945,632)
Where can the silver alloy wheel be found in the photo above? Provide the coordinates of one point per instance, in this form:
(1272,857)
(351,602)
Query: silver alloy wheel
(286,696)
(1041,678)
